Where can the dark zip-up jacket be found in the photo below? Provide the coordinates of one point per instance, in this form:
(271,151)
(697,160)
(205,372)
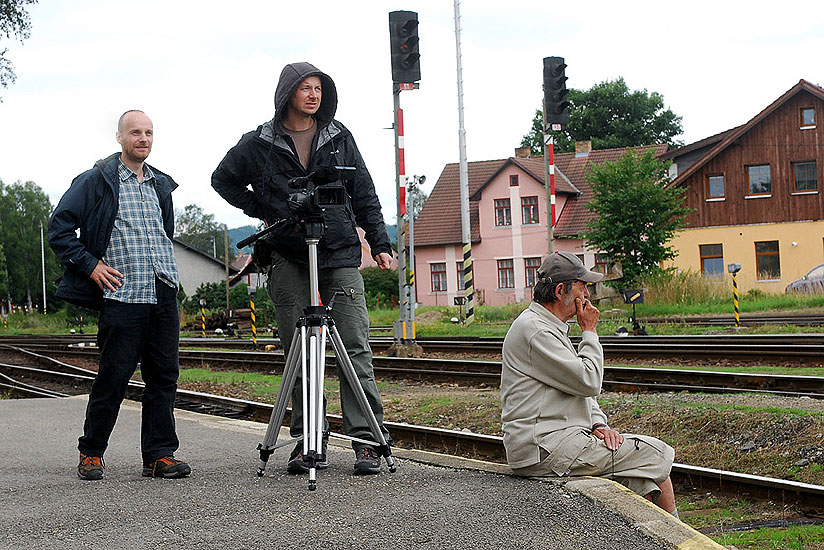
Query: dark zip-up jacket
(255,173)
(91,205)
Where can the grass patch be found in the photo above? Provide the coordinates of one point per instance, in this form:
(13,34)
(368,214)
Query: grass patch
(757,369)
(790,538)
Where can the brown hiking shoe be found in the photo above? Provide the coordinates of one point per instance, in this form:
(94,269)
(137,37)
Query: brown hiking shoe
(90,467)
(168,467)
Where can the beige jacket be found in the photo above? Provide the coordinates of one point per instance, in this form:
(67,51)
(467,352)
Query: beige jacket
(547,387)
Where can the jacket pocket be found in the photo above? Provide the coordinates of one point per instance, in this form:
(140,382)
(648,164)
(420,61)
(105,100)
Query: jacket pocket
(340,228)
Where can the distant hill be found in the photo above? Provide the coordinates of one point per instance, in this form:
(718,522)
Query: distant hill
(240,233)
(392,230)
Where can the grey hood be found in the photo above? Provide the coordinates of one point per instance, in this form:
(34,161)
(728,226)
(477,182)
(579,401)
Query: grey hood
(295,73)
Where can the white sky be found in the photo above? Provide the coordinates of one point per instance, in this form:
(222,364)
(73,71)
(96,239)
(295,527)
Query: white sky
(205,72)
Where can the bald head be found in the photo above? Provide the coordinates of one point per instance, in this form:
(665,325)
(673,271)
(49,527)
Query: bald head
(135,135)
(125,115)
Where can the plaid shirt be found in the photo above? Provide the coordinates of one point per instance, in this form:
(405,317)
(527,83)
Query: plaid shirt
(139,247)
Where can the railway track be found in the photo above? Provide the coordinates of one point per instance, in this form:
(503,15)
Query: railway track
(480,446)
(798,348)
(488,373)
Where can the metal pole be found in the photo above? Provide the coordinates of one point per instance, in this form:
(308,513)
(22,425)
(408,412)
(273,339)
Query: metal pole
(252,292)
(549,176)
(226,260)
(401,324)
(410,212)
(43,265)
(464,178)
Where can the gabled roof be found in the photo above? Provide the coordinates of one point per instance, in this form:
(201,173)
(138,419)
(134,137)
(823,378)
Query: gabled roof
(681,151)
(209,257)
(734,134)
(440,220)
(574,217)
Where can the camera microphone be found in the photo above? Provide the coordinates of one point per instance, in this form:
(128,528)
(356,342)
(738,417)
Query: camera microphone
(327,174)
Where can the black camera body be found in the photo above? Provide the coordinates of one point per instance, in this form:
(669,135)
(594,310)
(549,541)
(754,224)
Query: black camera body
(319,190)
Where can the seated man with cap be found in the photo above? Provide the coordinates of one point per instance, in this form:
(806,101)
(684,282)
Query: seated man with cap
(552,423)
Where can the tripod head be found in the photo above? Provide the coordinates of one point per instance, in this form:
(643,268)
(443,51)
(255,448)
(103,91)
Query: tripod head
(309,197)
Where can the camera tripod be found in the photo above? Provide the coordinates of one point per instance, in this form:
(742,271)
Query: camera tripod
(307,355)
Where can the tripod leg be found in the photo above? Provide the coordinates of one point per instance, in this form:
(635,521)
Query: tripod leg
(348,370)
(310,421)
(290,372)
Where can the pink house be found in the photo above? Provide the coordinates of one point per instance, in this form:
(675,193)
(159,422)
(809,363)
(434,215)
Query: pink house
(508,218)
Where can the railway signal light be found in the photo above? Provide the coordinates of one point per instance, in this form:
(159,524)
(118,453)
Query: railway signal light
(556,106)
(403,42)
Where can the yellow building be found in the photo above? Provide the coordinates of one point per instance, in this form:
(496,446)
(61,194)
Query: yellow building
(755,195)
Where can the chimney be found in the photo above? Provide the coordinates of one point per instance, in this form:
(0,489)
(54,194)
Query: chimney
(582,148)
(522,152)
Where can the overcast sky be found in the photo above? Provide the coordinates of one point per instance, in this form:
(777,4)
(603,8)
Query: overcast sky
(205,72)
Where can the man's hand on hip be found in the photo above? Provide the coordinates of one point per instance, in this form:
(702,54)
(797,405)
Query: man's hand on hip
(106,276)
(383,260)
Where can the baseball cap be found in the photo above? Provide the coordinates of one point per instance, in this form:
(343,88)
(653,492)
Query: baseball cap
(563,266)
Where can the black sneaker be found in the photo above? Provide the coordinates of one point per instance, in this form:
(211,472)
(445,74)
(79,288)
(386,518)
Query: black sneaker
(168,467)
(297,465)
(90,468)
(367,461)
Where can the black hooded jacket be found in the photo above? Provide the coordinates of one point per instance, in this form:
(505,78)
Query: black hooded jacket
(265,160)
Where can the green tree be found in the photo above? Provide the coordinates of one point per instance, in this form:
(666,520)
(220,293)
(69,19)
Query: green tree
(23,207)
(611,116)
(636,214)
(380,285)
(200,230)
(14,22)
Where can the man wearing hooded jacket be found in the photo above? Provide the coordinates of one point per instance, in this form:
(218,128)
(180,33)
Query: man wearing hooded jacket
(301,138)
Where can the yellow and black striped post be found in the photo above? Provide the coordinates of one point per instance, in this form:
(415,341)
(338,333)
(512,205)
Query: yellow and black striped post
(202,318)
(734,269)
(469,285)
(252,292)
(735,300)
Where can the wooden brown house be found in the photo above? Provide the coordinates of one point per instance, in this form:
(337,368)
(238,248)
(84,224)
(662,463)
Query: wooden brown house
(755,191)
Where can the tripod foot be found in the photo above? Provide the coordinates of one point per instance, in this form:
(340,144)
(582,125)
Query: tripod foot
(313,484)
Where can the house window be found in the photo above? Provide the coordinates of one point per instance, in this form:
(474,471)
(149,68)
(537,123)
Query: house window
(601,263)
(806,178)
(438,276)
(759,179)
(807,117)
(531,266)
(513,180)
(459,267)
(506,274)
(712,260)
(768,266)
(503,212)
(529,209)
(715,186)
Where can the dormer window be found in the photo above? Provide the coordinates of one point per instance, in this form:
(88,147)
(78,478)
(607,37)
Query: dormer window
(807,117)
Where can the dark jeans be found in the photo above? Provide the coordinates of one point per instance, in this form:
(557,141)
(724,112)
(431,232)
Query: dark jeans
(128,333)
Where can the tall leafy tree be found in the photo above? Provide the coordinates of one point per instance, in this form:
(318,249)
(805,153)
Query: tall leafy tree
(23,207)
(200,230)
(636,214)
(14,22)
(611,116)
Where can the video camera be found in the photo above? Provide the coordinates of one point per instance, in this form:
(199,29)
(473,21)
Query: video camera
(313,193)
(319,190)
